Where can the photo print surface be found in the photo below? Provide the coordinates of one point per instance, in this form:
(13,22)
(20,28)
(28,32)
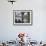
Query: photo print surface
(22,16)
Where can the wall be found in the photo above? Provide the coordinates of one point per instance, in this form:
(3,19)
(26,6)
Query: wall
(37,31)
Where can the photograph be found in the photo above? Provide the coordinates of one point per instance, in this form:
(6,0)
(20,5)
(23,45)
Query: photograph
(22,16)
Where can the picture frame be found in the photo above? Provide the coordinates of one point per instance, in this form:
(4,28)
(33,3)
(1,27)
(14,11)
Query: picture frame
(22,17)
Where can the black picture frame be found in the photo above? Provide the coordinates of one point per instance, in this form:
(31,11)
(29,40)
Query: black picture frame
(22,17)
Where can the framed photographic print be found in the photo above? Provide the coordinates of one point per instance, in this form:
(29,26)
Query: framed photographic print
(22,17)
